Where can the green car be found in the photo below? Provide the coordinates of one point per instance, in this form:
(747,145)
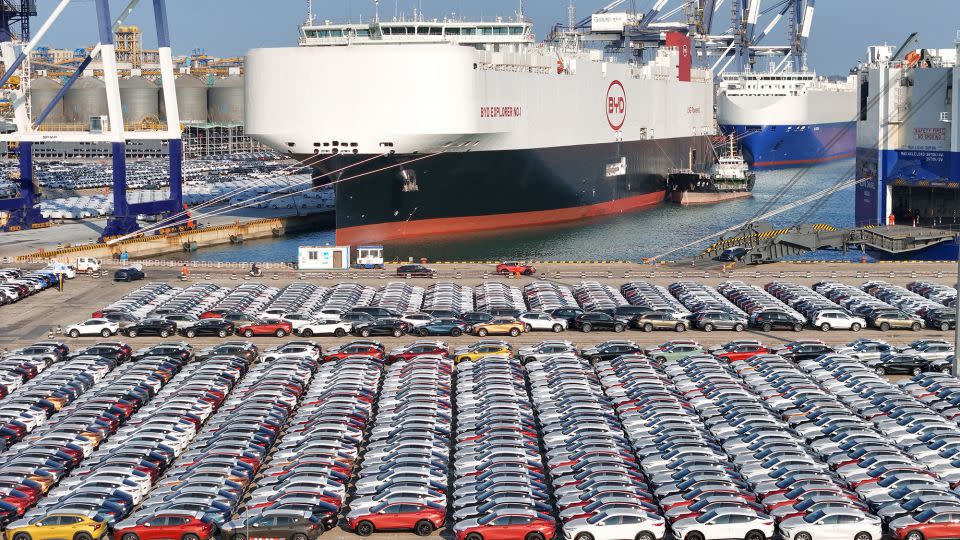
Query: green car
(676,352)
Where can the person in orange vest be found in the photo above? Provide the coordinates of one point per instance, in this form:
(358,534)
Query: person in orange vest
(184,272)
(891,220)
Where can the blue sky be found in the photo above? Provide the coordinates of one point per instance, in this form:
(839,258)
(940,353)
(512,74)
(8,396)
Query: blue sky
(842,29)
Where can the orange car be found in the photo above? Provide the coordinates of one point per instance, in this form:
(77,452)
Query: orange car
(502,325)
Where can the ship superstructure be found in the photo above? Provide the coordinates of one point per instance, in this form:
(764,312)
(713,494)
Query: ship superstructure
(450,126)
(908,141)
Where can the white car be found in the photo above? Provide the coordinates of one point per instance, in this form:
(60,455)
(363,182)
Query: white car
(834,319)
(67,271)
(832,524)
(324,328)
(417,319)
(93,327)
(297,320)
(536,320)
(723,523)
(616,525)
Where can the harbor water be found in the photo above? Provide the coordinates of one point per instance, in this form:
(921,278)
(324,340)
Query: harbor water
(629,237)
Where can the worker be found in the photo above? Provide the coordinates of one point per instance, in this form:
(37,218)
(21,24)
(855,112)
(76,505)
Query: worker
(184,272)
(891,220)
(254,270)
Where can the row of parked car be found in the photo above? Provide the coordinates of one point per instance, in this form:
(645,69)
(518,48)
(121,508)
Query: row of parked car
(17,284)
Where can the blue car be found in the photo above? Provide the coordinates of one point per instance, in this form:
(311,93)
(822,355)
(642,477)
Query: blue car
(441,327)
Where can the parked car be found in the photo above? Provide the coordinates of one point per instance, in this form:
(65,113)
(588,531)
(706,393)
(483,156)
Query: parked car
(827,320)
(535,320)
(380,327)
(515,267)
(208,327)
(709,321)
(732,254)
(151,327)
(415,270)
(895,320)
(775,320)
(265,328)
(595,320)
(324,328)
(657,320)
(441,327)
(164,526)
(500,326)
(422,517)
(93,327)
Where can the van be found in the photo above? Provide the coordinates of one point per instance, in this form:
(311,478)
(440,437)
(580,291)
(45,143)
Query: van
(88,264)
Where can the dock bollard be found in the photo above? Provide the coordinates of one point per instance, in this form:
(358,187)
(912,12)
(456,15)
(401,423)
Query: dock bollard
(276,277)
(233,277)
(459,275)
(59,330)
(206,277)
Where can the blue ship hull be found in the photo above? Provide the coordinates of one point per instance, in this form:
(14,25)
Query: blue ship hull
(794,146)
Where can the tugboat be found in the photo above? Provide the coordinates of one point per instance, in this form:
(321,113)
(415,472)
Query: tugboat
(730,178)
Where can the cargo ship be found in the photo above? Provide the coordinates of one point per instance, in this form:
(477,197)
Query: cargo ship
(788,119)
(908,143)
(449,127)
(729,179)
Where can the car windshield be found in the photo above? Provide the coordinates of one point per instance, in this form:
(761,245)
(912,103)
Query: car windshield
(925,515)
(593,520)
(704,518)
(814,517)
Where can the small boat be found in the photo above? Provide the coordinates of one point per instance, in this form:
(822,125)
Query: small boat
(730,178)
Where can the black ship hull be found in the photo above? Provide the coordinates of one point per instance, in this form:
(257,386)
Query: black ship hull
(381,198)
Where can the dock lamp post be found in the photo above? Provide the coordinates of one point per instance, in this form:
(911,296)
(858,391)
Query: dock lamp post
(956,330)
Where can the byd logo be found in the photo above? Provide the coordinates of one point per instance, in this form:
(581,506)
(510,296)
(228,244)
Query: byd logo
(616,105)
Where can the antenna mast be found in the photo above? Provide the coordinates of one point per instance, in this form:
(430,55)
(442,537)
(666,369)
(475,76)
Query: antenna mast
(310,12)
(377,11)
(571,16)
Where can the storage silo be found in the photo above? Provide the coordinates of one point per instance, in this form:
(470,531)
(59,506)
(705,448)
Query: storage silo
(191,100)
(42,92)
(141,100)
(226,101)
(86,98)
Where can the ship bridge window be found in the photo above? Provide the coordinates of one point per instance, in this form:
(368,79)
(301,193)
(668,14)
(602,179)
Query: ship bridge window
(453,31)
(469,31)
(436,31)
(516,30)
(363,32)
(487,31)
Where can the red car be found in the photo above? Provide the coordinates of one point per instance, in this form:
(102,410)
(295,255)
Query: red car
(356,348)
(417,349)
(525,526)
(927,525)
(164,527)
(743,352)
(263,328)
(514,267)
(420,517)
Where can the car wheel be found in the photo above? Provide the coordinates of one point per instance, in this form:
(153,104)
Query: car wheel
(862,535)
(527,328)
(880,370)
(193,333)
(423,528)
(855,327)
(473,536)
(914,535)
(221,333)
(944,326)
(164,334)
(514,332)
(306,332)
(339,332)
(825,327)
(884,327)
(82,536)
(681,327)
(238,537)
(74,334)
(648,327)
(365,332)
(755,535)
(694,536)
(803,536)
(299,536)
(738,327)
(708,327)
(533,536)
(248,333)
(586,327)
(130,333)
(456,332)
(397,332)
(618,328)
(482,332)
(129,536)
(105,333)
(915,327)
(364,528)
(916,371)
(767,327)
(557,328)
(798,327)
(191,536)
(945,370)
(661,359)
(422,332)
(280,332)
(645,536)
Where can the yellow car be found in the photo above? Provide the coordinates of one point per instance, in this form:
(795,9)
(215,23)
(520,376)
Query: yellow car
(57,527)
(502,326)
(476,353)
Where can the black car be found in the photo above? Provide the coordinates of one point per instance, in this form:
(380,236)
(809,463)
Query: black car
(808,352)
(246,351)
(944,319)
(112,352)
(607,352)
(416,270)
(151,327)
(176,352)
(627,313)
(357,317)
(596,320)
(566,313)
(380,327)
(505,312)
(128,274)
(775,320)
(376,312)
(475,317)
(906,364)
(732,254)
(208,327)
